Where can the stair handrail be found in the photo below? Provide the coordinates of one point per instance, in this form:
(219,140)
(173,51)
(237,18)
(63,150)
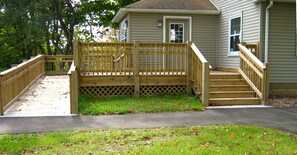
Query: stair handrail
(198,73)
(255,73)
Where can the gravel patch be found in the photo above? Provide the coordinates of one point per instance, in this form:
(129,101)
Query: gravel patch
(283,102)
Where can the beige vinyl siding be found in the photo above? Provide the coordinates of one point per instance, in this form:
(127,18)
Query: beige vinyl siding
(204,31)
(204,35)
(250,30)
(282,42)
(144,27)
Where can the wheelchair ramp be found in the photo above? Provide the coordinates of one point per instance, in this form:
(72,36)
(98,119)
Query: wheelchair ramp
(48,96)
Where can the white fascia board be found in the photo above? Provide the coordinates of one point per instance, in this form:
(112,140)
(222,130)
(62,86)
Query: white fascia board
(278,1)
(119,16)
(122,12)
(215,5)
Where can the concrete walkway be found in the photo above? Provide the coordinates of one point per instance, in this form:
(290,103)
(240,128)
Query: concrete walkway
(280,118)
(48,96)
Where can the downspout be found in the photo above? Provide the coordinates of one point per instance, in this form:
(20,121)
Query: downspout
(267,31)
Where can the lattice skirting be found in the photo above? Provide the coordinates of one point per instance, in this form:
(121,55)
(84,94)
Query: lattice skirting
(107,91)
(110,91)
(159,90)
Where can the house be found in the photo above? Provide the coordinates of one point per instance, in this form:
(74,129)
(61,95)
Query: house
(216,27)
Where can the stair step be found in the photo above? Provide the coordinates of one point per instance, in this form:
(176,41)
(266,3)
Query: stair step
(227,82)
(232,94)
(233,101)
(229,88)
(226,76)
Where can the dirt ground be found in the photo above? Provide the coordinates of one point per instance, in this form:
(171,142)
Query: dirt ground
(283,102)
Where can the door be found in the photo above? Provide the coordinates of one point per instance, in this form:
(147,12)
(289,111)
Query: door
(177,31)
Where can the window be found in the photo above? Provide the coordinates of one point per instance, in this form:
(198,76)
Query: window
(235,33)
(176,32)
(124,31)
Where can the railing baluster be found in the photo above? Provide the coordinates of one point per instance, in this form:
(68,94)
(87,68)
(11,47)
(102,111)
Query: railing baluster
(254,71)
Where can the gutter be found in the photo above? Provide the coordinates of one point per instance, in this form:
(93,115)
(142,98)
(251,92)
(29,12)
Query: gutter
(123,11)
(267,31)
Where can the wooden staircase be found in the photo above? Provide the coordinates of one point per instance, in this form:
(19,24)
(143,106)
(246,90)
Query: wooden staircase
(229,88)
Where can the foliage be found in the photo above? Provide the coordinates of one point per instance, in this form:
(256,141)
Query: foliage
(124,104)
(30,27)
(228,139)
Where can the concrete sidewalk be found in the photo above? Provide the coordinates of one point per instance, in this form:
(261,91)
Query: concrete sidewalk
(280,118)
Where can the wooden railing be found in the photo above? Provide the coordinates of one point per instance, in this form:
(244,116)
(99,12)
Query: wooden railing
(57,64)
(198,73)
(104,58)
(15,81)
(162,58)
(255,73)
(117,58)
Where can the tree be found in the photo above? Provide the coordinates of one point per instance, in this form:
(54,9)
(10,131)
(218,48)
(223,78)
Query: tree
(29,27)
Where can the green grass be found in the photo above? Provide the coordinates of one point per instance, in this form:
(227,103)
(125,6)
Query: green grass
(2,69)
(124,104)
(228,139)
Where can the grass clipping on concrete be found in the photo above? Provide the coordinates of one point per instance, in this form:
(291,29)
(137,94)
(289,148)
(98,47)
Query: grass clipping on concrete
(228,139)
(125,104)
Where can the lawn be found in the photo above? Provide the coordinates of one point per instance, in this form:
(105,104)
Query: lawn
(125,104)
(228,139)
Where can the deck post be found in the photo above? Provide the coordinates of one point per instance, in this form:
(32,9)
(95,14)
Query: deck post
(136,68)
(74,79)
(74,92)
(257,50)
(42,69)
(1,97)
(76,54)
(189,68)
(205,84)
(266,82)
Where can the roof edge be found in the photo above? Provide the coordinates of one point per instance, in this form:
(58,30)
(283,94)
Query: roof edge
(123,11)
(215,5)
(278,1)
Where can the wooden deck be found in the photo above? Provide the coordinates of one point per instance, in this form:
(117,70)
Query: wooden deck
(112,69)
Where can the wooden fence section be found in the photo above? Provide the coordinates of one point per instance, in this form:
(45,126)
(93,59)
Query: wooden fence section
(198,74)
(255,73)
(111,69)
(117,58)
(162,58)
(15,81)
(57,64)
(105,58)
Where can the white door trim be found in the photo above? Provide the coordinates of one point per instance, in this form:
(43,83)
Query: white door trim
(177,17)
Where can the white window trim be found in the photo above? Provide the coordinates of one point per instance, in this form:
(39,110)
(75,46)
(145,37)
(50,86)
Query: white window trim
(177,17)
(183,29)
(123,24)
(232,16)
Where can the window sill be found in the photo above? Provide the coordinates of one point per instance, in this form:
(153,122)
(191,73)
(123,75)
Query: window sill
(233,54)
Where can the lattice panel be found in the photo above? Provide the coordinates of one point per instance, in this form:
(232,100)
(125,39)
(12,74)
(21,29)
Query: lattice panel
(158,90)
(107,91)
